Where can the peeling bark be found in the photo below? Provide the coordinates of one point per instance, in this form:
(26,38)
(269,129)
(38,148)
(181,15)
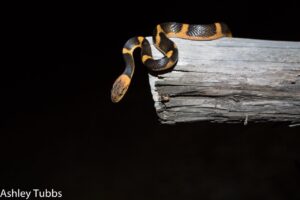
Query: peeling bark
(230,80)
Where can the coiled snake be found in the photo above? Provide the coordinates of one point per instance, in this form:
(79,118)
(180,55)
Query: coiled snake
(161,40)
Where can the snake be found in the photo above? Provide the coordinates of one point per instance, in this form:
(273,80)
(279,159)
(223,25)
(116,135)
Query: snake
(161,40)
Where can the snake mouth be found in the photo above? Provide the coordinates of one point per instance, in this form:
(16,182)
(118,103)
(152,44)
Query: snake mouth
(120,88)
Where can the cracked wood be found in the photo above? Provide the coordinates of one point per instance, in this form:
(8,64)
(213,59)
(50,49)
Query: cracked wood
(231,80)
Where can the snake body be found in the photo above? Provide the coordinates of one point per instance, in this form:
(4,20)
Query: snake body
(161,35)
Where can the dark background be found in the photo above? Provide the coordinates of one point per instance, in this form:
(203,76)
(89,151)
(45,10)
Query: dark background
(59,129)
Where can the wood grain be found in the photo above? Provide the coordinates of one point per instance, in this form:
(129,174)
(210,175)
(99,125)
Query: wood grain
(230,80)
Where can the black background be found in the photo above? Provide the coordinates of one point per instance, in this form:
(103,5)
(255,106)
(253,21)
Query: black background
(59,129)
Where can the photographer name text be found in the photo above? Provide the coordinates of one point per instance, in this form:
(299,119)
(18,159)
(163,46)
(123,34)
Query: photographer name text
(29,194)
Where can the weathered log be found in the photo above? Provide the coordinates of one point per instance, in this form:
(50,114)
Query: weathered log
(230,80)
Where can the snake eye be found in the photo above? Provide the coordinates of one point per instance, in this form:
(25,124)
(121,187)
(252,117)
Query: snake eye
(120,88)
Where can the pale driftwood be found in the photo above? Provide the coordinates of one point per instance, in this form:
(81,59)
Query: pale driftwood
(230,80)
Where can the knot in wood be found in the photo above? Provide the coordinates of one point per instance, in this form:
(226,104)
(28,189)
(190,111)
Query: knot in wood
(164,98)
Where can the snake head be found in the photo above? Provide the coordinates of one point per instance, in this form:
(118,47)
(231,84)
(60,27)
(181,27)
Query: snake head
(120,88)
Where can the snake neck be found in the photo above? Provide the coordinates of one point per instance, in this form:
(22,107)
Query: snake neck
(122,83)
